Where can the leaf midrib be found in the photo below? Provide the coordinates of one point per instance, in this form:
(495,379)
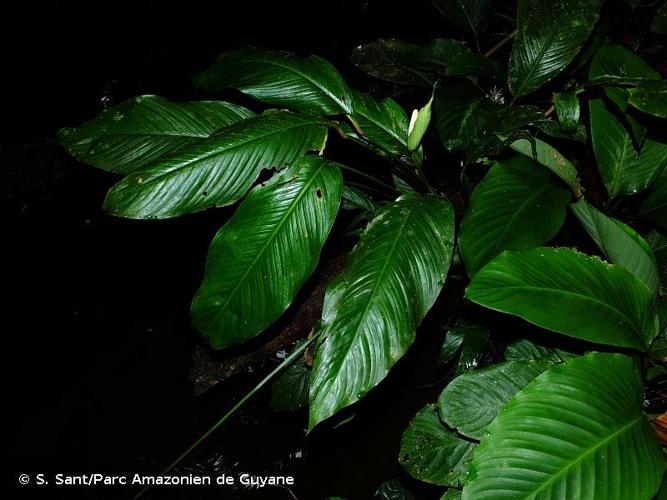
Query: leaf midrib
(376,287)
(620,164)
(189,164)
(331,96)
(536,194)
(582,297)
(581,457)
(533,66)
(271,237)
(381,126)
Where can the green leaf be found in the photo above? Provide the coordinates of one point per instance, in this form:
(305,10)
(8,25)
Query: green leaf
(419,123)
(549,35)
(371,312)
(658,244)
(407,64)
(384,123)
(654,207)
(517,206)
(216,171)
(392,490)
(457,114)
(552,159)
(451,494)
(262,256)
(553,129)
(468,339)
(401,62)
(354,198)
(624,169)
(614,65)
(588,298)
(651,101)
(619,242)
(567,107)
(437,55)
(525,350)
(432,453)
(140,130)
(468,64)
(471,401)
(576,431)
(469,15)
(310,84)
(496,127)
(289,392)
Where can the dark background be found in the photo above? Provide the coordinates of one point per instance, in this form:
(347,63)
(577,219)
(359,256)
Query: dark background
(97,341)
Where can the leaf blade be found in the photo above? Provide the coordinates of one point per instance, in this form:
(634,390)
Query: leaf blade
(432,453)
(216,171)
(309,85)
(551,158)
(576,431)
(619,242)
(127,137)
(550,34)
(472,400)
(589,299)
(402,258)
(517,206)
(252,276)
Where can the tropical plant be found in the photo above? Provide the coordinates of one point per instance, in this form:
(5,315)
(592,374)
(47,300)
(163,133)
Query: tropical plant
(574,119)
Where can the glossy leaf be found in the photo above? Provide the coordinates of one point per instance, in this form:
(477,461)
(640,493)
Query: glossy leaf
(617,66)
(658,244)
(576,431)
(437,55)
(553,129)
(525,350)
(392,490)
(384,123)
(567,107)
(262,256)
(467,340)
(517,206)
(623,168)
(395,61)
(457,116)
(451,494)
(550,34)
(619,242)
(310,84)
(356,199)
(653,102)
(498,127)
(552,159)
(145,128)
(588,298)
(654,207)
(432,453)
(469,63)
(216,171)
(469,15)
(371,312)
(471,401)
(289,392)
